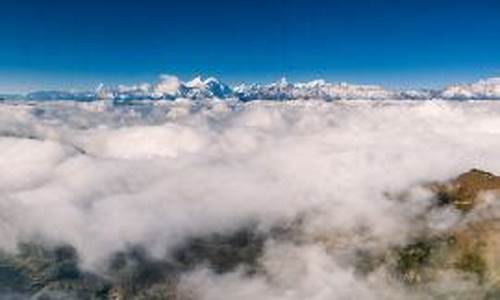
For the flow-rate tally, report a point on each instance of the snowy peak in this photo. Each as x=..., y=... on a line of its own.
x=483, y=89
x=215, y=88
x=171, y=87
x=316, y=89
x=196, y=82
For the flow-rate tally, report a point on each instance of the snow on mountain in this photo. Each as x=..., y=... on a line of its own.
x=218, y=89
x=171, y=88
x=317, y=89
x=196, y=83
x=483, y=89
x=422, y=94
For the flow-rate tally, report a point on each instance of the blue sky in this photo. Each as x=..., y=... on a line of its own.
x=77, y=44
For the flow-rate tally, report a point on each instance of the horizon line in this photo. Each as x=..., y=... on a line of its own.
x=78, y=88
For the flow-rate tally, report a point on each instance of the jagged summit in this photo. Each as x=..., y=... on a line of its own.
x=483, y=89
x=171, y=88
x=196, y=82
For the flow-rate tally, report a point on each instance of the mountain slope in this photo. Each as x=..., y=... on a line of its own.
x=171, y=88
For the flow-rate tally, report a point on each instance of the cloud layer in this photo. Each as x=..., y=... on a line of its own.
x=103, y=178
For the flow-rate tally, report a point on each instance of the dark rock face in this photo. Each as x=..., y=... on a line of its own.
x=223, y=253
x=463, y=191
x=48, y=272
x=53, y=273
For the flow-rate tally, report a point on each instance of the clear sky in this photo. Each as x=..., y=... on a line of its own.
x=64, y=44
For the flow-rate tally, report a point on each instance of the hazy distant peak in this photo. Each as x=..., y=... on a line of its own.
x=171, y=87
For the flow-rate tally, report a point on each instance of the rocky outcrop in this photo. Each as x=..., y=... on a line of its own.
x=466, y=190
x=468, y=250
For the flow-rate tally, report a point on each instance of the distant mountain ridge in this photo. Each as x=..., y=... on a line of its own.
x=171, y=88
x=483, y=89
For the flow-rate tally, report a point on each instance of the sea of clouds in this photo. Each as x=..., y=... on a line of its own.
x=103, y=178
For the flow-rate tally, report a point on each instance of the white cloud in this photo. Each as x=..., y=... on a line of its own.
x=102, y=178
x=167, y=85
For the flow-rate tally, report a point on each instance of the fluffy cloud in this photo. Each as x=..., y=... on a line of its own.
x=103, y=178
x=168, y=85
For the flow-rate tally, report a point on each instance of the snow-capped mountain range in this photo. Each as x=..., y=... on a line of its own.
x=171, y=88
x=168, y=87
x=317, y=89
x=483, y=89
